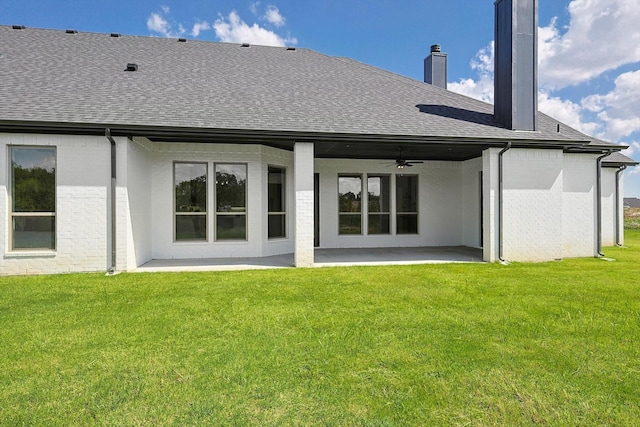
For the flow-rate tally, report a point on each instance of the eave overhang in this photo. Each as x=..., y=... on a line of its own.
x=327, y=144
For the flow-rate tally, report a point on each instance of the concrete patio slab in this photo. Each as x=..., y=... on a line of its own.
x=322, y=258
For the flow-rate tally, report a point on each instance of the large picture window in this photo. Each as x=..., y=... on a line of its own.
x=407, y=204
x=277, y=216
x=33, y=198
x=190, y=186
x=350, y=204
x=378, y=204
x=231, y=201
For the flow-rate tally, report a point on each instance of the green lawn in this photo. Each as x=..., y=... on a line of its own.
x=483, y=344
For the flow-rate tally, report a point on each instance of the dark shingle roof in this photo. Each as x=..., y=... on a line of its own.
x=618, y=159
x=632, y=202
x=49, y=76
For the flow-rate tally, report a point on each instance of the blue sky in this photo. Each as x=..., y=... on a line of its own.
x=589, y=51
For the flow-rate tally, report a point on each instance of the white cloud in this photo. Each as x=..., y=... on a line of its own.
x=602, y=35
x=253, y=7
x=619, y=108
x=481, y=89
x=157, y=23
x=273, y=16
x=233, y=29
x=568, y=112
x=198, y=27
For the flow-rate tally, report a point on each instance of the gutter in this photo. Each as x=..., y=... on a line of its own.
x=599, y=202
x=617, y=201
x=107, y=134
x=501, y=202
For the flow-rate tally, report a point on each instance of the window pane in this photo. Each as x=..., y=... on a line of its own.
x=231, y=227
x=379, y=224
x=191, y=227
x=231, y=187
x=407, y=224
x=190, y=187
x=277, y=225
x=378, y=193
x=34, y=232
x=33, y=179
x=349, y=193
x=350, y=224
x=407, y=193
x=276, y=195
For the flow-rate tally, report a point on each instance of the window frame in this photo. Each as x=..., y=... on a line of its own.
x=380, y=213
x=187, y=214
x=218, y=213
x=415, y=213
x=346, y=214
x=283, y=202
x=32, y=214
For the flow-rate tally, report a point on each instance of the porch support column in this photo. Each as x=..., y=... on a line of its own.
x=490, y=208
x=304, y=222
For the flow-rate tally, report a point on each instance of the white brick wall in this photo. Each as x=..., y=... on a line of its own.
x=257, y=158
x=83, y=176
x=304, y=205
x=547, y=194
x=578, y=205
x=472, y=205
x=137, y=184
x=532, y=204
x=608, y=206
x=440, y=199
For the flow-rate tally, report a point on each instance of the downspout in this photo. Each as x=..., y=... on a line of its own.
x=599, y=202
x=107, y=133
x=617, y=201
x=500, y=201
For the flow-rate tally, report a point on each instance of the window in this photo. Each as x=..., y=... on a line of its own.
x=231, y=201
x=378, y=204
x=33, y=198
x=407, y=204
x=350, y=204
x=190, y=184
x=277, y=223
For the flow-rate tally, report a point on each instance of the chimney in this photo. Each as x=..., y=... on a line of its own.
x=516, y=64
x=435, y=67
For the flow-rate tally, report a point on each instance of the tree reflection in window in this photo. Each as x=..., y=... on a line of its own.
x=190, y=181
x=231, y=201
x=33, y=198
x=350, y=204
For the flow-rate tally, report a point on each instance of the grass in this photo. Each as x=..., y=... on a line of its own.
x=477, y=344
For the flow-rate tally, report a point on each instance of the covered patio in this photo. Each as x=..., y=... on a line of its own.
x=323, y=258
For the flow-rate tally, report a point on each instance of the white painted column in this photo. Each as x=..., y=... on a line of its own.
x=303, y=186
x=490, y=197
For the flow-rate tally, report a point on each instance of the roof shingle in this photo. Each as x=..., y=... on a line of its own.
x=53, y=77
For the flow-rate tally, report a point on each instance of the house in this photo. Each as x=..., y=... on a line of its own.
x=115, y=150
x=631, y=202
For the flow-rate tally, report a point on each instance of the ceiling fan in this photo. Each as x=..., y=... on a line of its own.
x=402, y=163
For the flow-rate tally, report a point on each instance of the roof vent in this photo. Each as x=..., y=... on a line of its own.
x=182, y=40
x=435, y=48
x=245, y=45
x=115, y=34
x=132, y=67
x=18, y=27
x=71, y=31
x=291, y=48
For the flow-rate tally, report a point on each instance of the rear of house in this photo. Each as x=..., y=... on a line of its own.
x=116, y=150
